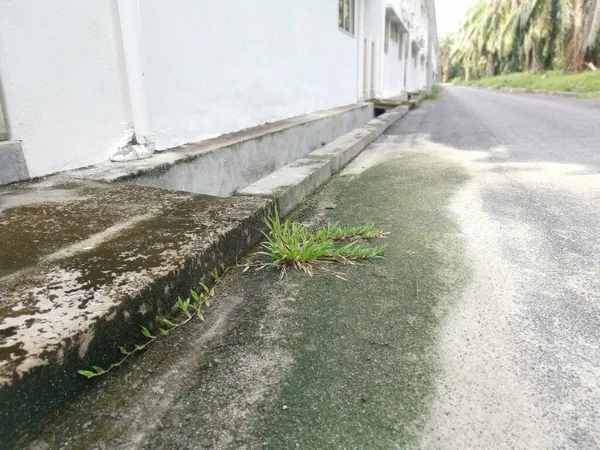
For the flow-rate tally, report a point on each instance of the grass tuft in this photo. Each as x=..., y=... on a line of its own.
x=290, y=244
x=434, y=93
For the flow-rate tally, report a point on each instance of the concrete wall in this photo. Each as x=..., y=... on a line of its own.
x=420, y=28
x=220, y=66
x=2, y=123
x=212, y=67
x=393, y=68
x=231, y=167
x=61, y=81
x=373, y=32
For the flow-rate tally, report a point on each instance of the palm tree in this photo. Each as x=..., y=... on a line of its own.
x=446, y=45
x=528, y=35
x=582, y=18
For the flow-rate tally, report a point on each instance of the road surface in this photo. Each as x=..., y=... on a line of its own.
x=479, y=330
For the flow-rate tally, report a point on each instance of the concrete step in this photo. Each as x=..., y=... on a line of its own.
x=84, y=264
x=293, y=182
x=223, y=165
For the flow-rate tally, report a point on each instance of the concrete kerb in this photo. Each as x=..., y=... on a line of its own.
x=292, y=183
x=225, y=164
x=532, y=91
x=105, y=259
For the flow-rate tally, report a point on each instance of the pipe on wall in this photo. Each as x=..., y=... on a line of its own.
x=133, y=50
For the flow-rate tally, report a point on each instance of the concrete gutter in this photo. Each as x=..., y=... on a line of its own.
x=290, y=184
x=85, y=263
x=225, y=164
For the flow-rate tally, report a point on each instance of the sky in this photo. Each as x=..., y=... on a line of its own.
x=450, y=14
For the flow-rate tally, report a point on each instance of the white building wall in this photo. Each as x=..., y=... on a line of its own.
x=393, y=69
x=420, y=27
x=212, y=67
x=397, y=73
x=61, y=81
x=394, y=60
x=220, y=66
x=374, y=32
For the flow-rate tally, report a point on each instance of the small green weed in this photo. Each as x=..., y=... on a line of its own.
x=434, y=93
x=290, y=244
x=191, y=307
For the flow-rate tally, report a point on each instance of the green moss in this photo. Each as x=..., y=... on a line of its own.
x=365, y=358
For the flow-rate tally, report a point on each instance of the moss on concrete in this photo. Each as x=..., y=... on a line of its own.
x=364, y=361
x=88, y=264
x=353, y=361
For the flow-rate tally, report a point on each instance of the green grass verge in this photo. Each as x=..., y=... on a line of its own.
x=587, y=83
x=434, y=94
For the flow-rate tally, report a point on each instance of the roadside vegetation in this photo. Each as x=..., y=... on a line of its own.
x=288, y=245
x=191, y=307
x=291, y=244
x=587, y=84
x=434, y=93
x=542, y=42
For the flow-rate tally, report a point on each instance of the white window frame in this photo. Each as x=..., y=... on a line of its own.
x=349, y=7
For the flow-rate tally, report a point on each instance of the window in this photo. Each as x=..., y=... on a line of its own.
x=346, y=15
x=386, y=37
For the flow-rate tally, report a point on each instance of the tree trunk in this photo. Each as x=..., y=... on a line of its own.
x=445, y=72
x=575, y=45
x=554, y=31
x=537, y=64
x=574, y=53
x=491, y=64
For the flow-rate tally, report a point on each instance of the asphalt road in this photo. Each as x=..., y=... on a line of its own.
x=519, y=352
x=479, y=330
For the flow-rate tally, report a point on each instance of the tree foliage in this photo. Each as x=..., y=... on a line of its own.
x=501, y=36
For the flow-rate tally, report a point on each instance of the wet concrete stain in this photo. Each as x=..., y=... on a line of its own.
x=68, y=294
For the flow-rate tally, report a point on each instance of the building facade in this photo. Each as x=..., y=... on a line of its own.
x=397, y=47
x=84, y=82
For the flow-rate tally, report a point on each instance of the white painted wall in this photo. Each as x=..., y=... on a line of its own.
x=220, y=66
x=390, y=69
x=60, y=74
x=374, y=31
x=212, y=67
x=393, y=69
x=2, y=124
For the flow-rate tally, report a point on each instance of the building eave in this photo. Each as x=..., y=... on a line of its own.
x=397, y=17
